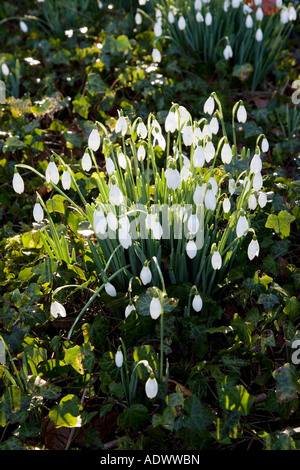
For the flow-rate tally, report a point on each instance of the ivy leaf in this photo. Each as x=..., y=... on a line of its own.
x=280, y=223
x=133, y=416
x=66, y=413
x=287, y=382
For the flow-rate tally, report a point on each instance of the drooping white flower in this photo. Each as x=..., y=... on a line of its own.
x=23, y=27
x=121, y=126
x=249, y=22
x=171, y=122
x=209, y=105
x=259, y=35
x=66, y=180
x=38, y=212
x=156, y=55
x=86, y=162
x=155, y=308
x=122, y=160
x=141, y=130
x=216, y=260
x=115, y=195
x=173, y=178
x=241, y=114
x=264, y=145
x=198, y=157
x=124, y=222
x=158, y=28
x=228, y=52
x=138, y=18
x=125, y=238
x=57, y=309
x=199, y=193
x=226, y=153
x=214, y=125
x=262, y=199
x=226, y=205
x=18, y=183
x=256, y=164
x=157, y=230
x=199, y=17
x=252, y=202
x=184, y=116
x=130, y=308
x=119, y=358
x=226, y=5
x=206, y=131
x=259, y=14
x=242, y=226
x=284, y=15
x=198, y=4
x=278, y=3
x=5, y=69
x=193, y=224
x=141, y=153
x=146, y=275
x=257, y=181
x=94, y=140
x=188, y=135
x=231, y=186
x=52, y=173
x=235, y=3
x=171, y=17
x=214, y=185
x=151, y=388
x=191, y=249
x=112, y=221
x=209, y=151
x=110, y=166
x=99, y=222
x=253, y=249
x=197, y=303
x=208, y=18
x=210, y=200
x=292, y=13
x=185, y=173
x=181, y=23
x=110, y=289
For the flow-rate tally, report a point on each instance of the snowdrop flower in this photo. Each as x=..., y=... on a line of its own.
x=252, y=202
x=259, y=14
x=199, y=17
x=38, y=212
x=86, y=162
x=110, y=289
x=115, y=195
x=171, y=17
x=122, y=160
x=228, y=53
x=257, y=2
x=157, y=230
x=130, y=308
x=184, y=116
x=226, y=5
x=214, y=125
x=256, y=164
x=249, y=22
x=110, y=166
x=124, y=223
x=242, y=226
x=156, y=55
x=158, y=28
x=214, y=185
x=5, y=69
x=94, y=140
x=292, y=13
x=125, y=238
x=259, y=35
x=226, y=205
x=191, y=249
x=264, y=145
x=23, y=27
x=226, y=153
x=241, y=114
x=197, y=303
x=99, y=222
x=216, y=260
x=181, y=23
x=235, y=3
x=138, y=18
x=171, y=122
x=262, y=199
x=257, y=181
x=209, y=151
x=284, y=15
x=155, y=308
x=18, y=183
x=193, y=224
x=198, y=4
x=207, y=131
x=66, y=180
x=231, y=186
x=278, y=3
x=151, y=388
x=112, y=221
x=185, y=173
x=119, y=358
x=208, y=19
x=141, y=130
x=57, y=309
x=199, y=194
x=145, y=275
x=173, y=178
x=188, y=135
x=52, y=173
x=210, y=200
x=161, y=141
x=121, y=126
x=246, y=9
x=141, y=153
x=198, y=157
x=209, y=105
x=253, y=249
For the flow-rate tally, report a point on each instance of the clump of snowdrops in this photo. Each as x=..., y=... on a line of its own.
x=172, y=206
x=235, y=30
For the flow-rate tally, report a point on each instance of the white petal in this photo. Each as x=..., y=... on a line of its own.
x=94, y=140
x=66, y=180
x=253, y=249
x=197, y=303
x=242, y=226
x=155, y=308
x=151, y=388
x=119, y=358
x=216, y=260
x=86, y=162
x=193, y=224
x=110, y=289
x=18, y=183
x=191, y=249
x=210, y=200
x=145, y=275
x=209, y=105
x=226, y=205
x=38, y=212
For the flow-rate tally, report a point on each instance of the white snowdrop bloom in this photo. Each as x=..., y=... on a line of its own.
x=252, y=202
x=86, y=162
x=199, y=17
x=292, y=13
x=171, y=122
x=99, y=222
x=121, y=126
x=173, y=178
x=253, y=249
x=124, y=222
x=110, y=289
x=231, y=186
x=184, y=116
x=115, y=195
x=210, y=200
x=122, y=160
x=155, y=308
x=242, y=226
x=226, y=205
x=257, y=181
x=110, y=166
x=259, y=14
x=241, y=114
x=198, y=157
x=119, y=358
x=226, y=5
x=156, y=55
x=141, y=130
x=141, y=153
x=157, y=230
x=23, y=27
x=130, y=308
x=256, y=164
x=197, y=303
x=57, y=309
x=94, y=140
x=284, y=15
x=199, y=194
x=156, y=129
x=259, y=35
x=191, y=249
x=188, y=135
x=216, y=260
x=52, y=173
x=226, y=153
x=66, y=180
x=185, y=173
x=214, y=125
x=149, y=221
x=262, y=199
x=146, y=275
x=198, y=4
x=193, y=224
x=209, y=151
x=171, y=17
x=161, y=141
x=214, y=185
x=151, y=388
x=207, y=132
x=209, y=105
x=228, y=53
x=38, y=212
x=247, y=9
x=112, y=221
x=257, y=2
x=235, y=3
x=138, y=18
x=278, y=3
x=125, y=238
x=264, y=145
x=249, y=22
x=208, y=18
x=142, y=2
x=181, y=23
x=5, y=69
x=158, y=28
x=18, y=183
